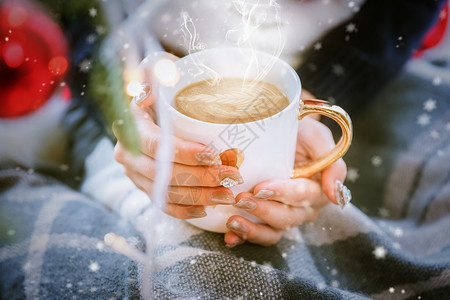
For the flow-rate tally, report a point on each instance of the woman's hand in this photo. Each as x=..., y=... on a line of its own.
x=196, y=175
x=285, y=203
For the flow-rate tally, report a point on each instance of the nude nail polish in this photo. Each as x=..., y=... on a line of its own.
x=196, y=212
x=210, y=159
x=246, y=204
x=343, y=194
x=237, y=227
x=222, y=198
x=263, y=194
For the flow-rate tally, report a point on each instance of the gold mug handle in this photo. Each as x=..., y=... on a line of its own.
x=315, y=106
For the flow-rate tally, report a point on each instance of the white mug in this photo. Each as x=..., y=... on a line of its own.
x=268, y=145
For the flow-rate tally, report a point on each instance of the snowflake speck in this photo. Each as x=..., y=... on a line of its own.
x=320, y=286
x=383, y=212
x=338, y=70
x=85, y=66
x=398, y=232
x=335, y=283
x=317, y=46
x=429, y=105
x=376, y=161
x=434, y=134
x=391, y=290
x=352, y=174
x=379, y=252
x=93, y=12
x=437, y=81
x=423, y=120
x=94, y=267
x=351, y=27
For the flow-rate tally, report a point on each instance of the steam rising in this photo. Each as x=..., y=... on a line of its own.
x=254, y=15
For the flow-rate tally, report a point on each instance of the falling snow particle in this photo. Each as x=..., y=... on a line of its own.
x=402, y=291
x=11, y=232
x=335, y=283
x=383, y=212
x=376, y=161
x=437, y=81
x=93, y=12
x=64, y=167
x=391, y=290
x=94, y=267
x=338, y=70
x=351, y=27
x=100, y=246
x=423, y=120
x=434, y=134
x=85, y=65
x=320, y=286
x=379, y=252
x=352, y=174
x=317, y=46
x=90, y=39
x=429, y=105
x=398, y=232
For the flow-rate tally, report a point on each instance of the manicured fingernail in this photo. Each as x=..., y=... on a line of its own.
x=196, y=212
x=238, y=242
x=237, y=227
x=245, y=204
x=209, y=159
x=230, y=179
x=343, y=194
x=222, y=198
x=146, y=90
x=263, y=194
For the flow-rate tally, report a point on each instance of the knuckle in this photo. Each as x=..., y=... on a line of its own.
x=151, y=143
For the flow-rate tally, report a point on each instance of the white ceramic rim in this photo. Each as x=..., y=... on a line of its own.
x=294, y=101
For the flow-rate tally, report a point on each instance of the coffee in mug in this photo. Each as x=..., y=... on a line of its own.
x=230, y=99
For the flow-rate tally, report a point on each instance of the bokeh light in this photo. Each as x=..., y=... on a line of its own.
x=166, y=71
x=134, y=88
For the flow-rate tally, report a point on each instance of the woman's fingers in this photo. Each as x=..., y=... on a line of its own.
x=183, y=195
x=279, y=215
x=255, y=233
x=185, y=152
x=315, y=141
x=183, y=175
x=298, y=192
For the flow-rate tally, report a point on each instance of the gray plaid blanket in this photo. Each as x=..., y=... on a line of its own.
x=392, y=243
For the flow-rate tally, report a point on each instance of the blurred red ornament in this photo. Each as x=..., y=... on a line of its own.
x=33, y=57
